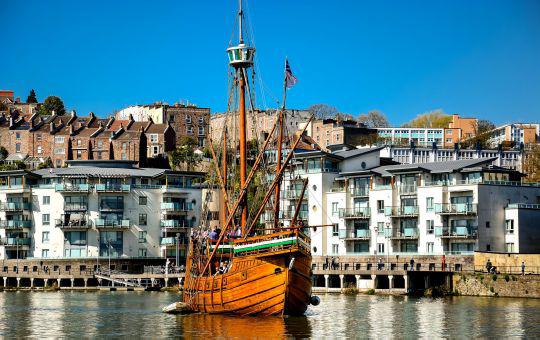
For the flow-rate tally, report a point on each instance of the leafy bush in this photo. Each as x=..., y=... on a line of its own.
x=370, y=292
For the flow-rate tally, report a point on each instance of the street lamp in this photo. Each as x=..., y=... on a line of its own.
x=17, y=244
x=387, y=236
x=177, y=250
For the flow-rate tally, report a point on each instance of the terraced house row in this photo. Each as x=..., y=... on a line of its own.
x=359, y=203
x=96, y=209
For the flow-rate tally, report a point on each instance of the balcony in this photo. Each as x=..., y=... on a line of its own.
x=15, y=224
x=358, y=212
x=170, y=241
x=113, y=188
x=456, y=209
x=75, y=224
x=175, y=224
x=405, y=211
x=456, y=232
x=72, y=188
x=111, y=207
x=405, y=234
x=173, y=207
x=289, y=214
x=14, y=206
x=15, y=188
x=15, y=241
x=408, y=189
x=70, y=207
x=294, y=195
x=360, y=192
x=112, y=224
x=382, y=187
x=355, y=234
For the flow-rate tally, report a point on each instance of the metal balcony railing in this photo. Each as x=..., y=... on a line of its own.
x=294, y=194
x=358, y=212
x=405, y=233
x=456, y=209
x=166, y=241
x=72, y=187
x=14, y=206
x=116, y=224
x=75, y=206
x=74, y=224
x=15, y=241
x=404, y=211
x=354, y=234
x=171, y=224
x=15, y=224
x=289, y=214
x=456, y=232
x=113, y=187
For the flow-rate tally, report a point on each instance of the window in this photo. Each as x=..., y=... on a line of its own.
x=59, y=151
x=143, y=200
x=189, y=130
x=123, y=156
x=99, y=144
x=201, y=131
x=430, y=226
x=58, y=163
x=153, y=138
x=171, y=118
x=18, y=147
x=380, y=248
x=188, y=119
x=99, y=155
x=45, y=236
x=39, y=149
x=38, y=137
x=380, y=206
x=46, y=200
x=59, y=140
x=79, y=154
x=79, y=142
x=142, y=236
x=142, y=251
x=17, y=136
x=124, y=146
x=509, y=226
x=487, y=224
x=44, y=252
x=510, y=247
x=334, y=207
x=448, y=132
x=488, y=247
x=335, y=230
x=46, y=219
x=429, y=203
x=335, y=249
x=201, y=120
x=155, y=150
x=380, y=228
x=143, y=219
x=429, y=247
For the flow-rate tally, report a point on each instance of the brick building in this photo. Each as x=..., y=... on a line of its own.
x=70, y=137
x=185, y=120
x=327, y=132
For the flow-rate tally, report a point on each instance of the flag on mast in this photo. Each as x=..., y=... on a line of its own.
x=290, y=79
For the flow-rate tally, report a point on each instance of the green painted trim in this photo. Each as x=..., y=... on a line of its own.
x=267, y=245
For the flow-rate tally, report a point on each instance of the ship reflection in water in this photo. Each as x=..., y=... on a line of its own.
x=77, y=314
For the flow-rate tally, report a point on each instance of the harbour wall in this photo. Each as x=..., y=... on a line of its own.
x=496, y=285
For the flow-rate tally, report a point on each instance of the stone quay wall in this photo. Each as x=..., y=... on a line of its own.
x=501, y=285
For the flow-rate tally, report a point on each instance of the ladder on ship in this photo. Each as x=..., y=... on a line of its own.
x=117, y=281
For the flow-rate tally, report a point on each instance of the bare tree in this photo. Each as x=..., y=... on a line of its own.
x=374, y=119
x=323, y=111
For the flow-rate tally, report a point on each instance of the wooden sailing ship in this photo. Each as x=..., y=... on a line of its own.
x=242, y=268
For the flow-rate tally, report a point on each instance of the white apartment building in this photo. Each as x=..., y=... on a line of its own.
x=356, y=206
x=419, y=136
x=97, y=208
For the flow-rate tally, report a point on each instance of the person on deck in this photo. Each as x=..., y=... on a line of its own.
x=213, y=235
x=238, y=232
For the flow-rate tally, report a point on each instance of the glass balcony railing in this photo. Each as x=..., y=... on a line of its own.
x=72, y=187
x=15, y=241
x=405, y=233
x=360, y=191
x=294, y=194
x=121, y=224
x=408, y=189
x=75, y=206
x=358, y=212
x=354, y=233
x=456, y=232
x=113, y=187
x=176, y=224
x=176, y=207
x=288, y=214
x=167, y=241
x=456, y=209
x=407, y=210
x=382, y=187
x=15, y=224
x=14, y=206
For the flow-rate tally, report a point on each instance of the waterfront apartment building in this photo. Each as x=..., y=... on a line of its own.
x=96, y=209
x=356, y=206
x=186, y=120
x=515, y=134
x=259, y=122
x=327, y=132
x=511, y=159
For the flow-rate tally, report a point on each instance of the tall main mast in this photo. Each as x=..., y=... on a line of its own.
x=241, y=58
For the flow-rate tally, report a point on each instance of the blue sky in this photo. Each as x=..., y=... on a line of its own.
x=477, y=57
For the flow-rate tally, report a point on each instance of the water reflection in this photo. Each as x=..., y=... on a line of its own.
x=115, y=314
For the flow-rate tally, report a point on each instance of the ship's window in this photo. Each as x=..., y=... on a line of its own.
x=244, y=275
x=314, y=208
x=314, y=249
x=314, y=187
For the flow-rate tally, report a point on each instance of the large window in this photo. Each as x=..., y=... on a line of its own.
x=111, y=243
x=143, y=219
x=429, y=204
x=142, y=236
x=75, y=238
x=46, y=219
x=509, y=226
x=112, y=202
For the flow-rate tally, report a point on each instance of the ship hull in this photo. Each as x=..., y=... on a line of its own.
x=271, y=284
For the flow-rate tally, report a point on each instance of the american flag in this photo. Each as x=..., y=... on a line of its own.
x=290, y=79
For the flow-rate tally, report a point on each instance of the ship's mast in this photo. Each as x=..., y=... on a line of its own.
x=241, y=58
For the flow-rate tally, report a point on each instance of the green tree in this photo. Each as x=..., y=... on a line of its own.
x=3, y=107
x=32, y=97
x=184, y=156
x=374, y=119
x=531, y=164
x=3, y=152
x=52, y=103
x=45, y=165
x=434, y=119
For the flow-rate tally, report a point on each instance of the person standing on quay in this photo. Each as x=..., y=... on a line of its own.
x=412, y=264
x=443, y=262
x=522, y=268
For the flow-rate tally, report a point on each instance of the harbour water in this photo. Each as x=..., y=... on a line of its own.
x=76, y=314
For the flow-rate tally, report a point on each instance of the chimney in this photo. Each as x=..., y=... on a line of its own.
x=52, y=127
x=71, y=130
x=11, y=121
